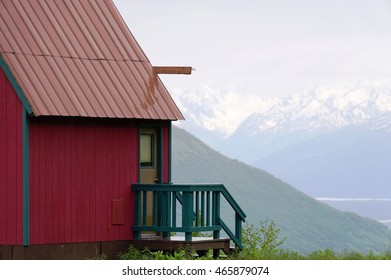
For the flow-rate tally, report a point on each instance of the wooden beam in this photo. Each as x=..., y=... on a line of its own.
x=184, y=70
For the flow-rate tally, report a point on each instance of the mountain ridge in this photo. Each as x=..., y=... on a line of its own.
x=308, y=224
x=343, y=130
x=317, y=107
x=323, y=108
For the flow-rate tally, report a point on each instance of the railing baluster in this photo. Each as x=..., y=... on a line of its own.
x=200, y=204
x=187, y=215
x=238, y=227
x=154, y=209
x=197, y=208
x=144, y=195
x=202, y=209
x=165, y=202
x=208, y=213
x=216, y=213
x=174, y=195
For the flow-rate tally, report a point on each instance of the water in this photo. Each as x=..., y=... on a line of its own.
x=378, y=209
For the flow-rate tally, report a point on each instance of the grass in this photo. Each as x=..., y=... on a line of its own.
x=262, y=243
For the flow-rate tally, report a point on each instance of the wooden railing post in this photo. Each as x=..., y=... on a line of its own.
x=187, y=213
x=216, y=212
x=163, y=212
x=238, y=227
x=200, y=210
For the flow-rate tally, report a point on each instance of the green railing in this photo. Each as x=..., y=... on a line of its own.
x=189, y=208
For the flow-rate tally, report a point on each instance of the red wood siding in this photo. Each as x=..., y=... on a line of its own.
x=11, y=111
x=77, y=168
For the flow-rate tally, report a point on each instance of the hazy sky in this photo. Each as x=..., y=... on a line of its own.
x=265, y=47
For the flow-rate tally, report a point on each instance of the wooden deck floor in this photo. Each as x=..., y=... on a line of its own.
x=173, y=243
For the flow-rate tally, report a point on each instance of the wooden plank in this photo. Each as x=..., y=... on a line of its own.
x=175, y=243
x=118, y=213
x=3, y=158
x=181, y=70
x=11, y=170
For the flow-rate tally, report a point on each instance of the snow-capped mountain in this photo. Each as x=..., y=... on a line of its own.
x=220, y=114
x=315, y=111
x=330, y=141
x=216, y=111
x=250, y=127
x=320, y=109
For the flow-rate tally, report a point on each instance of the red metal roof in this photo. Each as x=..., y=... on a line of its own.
x=78, y=58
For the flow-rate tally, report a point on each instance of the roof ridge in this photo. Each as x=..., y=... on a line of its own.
x=73, y=57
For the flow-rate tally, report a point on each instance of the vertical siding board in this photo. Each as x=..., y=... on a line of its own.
x=68, y=185
x=19, y=180
x=85, y=187
x=3, y=158
x=118, y=176
x=37, y=183
x=55, y=186
x=35, y=188
x=14, y=164
x=122, y=176
x=11, y=111
x=98, y=187
x=33, y=182
x=117, y=179
x=75, y=184
x=110, y=185
x=12, y=167
x=61, y=185
x=92, y=162
x=92, y=198
x=104, y=194
x=43, y=223
x=49, y=192
x=79, y=209
x=134, y=175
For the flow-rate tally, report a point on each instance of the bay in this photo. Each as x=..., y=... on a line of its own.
x=378, y=209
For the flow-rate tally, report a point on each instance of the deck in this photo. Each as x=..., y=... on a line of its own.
x=163, y=210
x=199, y=244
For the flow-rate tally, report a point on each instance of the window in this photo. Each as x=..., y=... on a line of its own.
x=146, y=149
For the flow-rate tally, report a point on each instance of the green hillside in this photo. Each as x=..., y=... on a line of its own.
x=308, y=224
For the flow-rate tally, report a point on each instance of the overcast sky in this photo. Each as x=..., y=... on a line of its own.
x=264, y=47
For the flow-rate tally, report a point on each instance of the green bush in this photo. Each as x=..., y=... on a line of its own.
x=182, y=254
x=262, y=242
x=258, y=243
x=326, y=254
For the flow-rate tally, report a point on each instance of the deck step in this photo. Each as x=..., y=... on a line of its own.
x=155, y=243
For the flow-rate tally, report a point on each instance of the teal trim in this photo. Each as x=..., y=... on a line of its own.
x=138, y=154
x=236, y=238
x=16, y=86
x=26, y=180
x=176, y=229
x=159, y=148
x=194, y=199
x=159, y=137
x=169, y=151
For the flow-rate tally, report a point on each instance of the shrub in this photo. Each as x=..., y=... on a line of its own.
x=145, y=254
x=262, y=243
x=326, y=254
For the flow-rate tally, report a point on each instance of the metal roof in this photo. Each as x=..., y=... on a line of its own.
x=78, y=58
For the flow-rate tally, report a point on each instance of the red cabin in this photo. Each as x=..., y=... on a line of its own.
x=83, y=117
